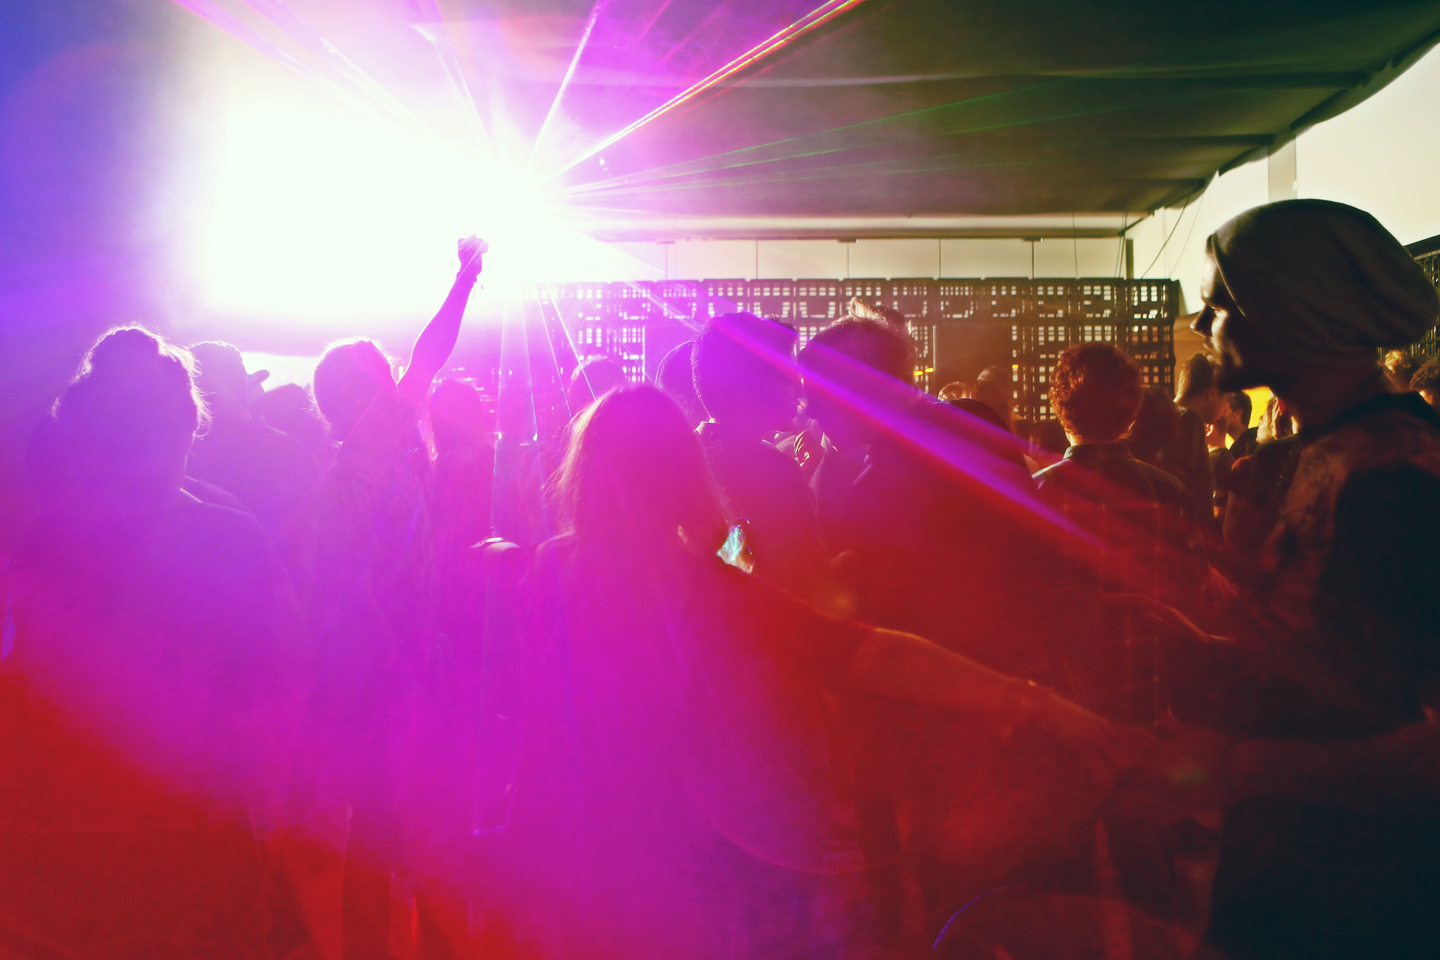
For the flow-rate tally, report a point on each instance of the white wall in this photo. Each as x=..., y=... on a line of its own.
x=793, y=259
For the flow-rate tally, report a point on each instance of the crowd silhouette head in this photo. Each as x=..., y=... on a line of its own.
x=127, y=420
x=634, y=480
x=349, y=376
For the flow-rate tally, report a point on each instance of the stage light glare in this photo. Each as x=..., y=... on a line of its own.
x=320, y=211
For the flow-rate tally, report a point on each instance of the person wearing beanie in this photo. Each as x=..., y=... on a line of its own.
x=1337, y=650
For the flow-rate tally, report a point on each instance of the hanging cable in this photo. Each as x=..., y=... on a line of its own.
x=1168, y=236
x=1120, y=242
x=1074, y=246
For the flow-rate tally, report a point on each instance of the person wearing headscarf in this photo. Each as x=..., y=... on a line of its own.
x=1324, y=282
x=1331, y=839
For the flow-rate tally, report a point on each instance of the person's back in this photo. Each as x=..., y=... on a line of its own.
x=373, y=596
x=267, y=470
x=931, y=524
x=148, y=630
x=1145, y=537
x=675, y=772
x=1340, y=628
x=677, y=794
x=1140, y=511
x=1186, y=457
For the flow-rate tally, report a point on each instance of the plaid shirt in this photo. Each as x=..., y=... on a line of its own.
x=1145, y=522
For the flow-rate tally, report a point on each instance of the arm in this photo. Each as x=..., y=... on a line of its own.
x=902, y=666
x=433, y=346
x=1400, y=764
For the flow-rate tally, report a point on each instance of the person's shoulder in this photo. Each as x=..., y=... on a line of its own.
x=387, y=423
x=1055, y=473
x=1160, y=480
x=218, y=516
x=557, y=549
x=778, y=460
x=1396, y=426
x=218, y=527
x=273, y=439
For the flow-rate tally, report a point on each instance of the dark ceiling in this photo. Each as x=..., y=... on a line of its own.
x=658, y=119
x=926, y=108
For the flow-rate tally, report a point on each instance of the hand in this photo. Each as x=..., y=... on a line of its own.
x=808, y=452
x=1137, y=603
x=472, y=251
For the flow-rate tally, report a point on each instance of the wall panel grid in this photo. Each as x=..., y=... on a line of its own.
x=1043, y=316
x=1428, y=346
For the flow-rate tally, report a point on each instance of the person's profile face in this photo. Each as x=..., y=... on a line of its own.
x=1240, y=350
x=778, y=395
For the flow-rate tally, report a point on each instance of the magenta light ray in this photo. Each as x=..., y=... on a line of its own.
x=440, y=39
x=211, y=12
x=364, y=99
x=938, y=446
x=816, y=18
x=299, y=29
x=958, y=456
x=595, y=13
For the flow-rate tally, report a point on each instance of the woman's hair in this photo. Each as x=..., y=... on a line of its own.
x=131, y=412
x=1275, y=423
x=635, y=479
x=1156, y=424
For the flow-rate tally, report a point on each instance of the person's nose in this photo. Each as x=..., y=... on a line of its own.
x=1203, y=321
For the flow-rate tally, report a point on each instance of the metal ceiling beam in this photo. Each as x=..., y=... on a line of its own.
x=1049, y=227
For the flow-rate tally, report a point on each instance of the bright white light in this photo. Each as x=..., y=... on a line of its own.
x=323, y=211
x=283, y=368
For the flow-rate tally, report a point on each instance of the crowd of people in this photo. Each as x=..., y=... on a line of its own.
x=776, y=657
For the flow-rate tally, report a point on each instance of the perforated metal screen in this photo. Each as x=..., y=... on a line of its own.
x=630, y=321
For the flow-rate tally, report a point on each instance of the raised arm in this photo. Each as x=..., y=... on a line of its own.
x=433, y=346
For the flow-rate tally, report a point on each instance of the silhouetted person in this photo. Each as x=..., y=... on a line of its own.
x=745, y=376
x=677, y=795
x=154, y=639
x=1342, y=632
x=676, y=377
x=374, y=597
x=1145, y=521
x=930, y=518
x=1257, y=486
x=1426, y=381
x=1401, y=367
x=1229, y=429
x=593, y=378
x=1187, y=456
x=1243, y=437
x=994, y=389
x=290, y=409
x=267, y=470
x=945, y=536
x=1156, y=425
